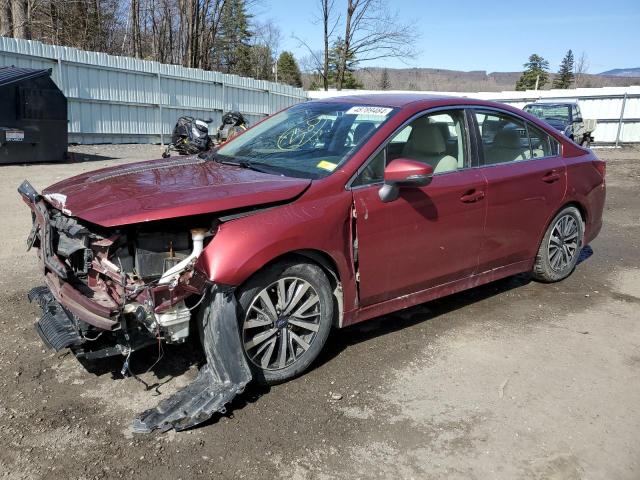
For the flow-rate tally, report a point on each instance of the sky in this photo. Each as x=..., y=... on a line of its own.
x=491, y=35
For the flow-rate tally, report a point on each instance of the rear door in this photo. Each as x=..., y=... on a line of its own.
x=430, y=235
x=526, y=184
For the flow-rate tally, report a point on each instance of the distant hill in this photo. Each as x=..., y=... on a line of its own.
x=622, y=72
x=435, y=79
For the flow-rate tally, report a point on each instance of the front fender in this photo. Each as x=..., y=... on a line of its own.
x=243, y=246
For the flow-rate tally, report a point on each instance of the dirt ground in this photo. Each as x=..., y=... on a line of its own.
x=515, y=379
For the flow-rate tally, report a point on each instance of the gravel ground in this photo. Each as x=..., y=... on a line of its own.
x=514, y=379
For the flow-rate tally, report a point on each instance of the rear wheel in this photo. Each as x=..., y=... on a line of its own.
x=586, y=142
x=560, y=247
x=285, y=317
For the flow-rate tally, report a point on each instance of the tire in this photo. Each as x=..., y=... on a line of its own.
x=586, y=142
x=305, y=290
x=560, y=247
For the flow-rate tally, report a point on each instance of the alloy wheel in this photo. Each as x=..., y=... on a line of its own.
x=563, y=243
x=281, y=323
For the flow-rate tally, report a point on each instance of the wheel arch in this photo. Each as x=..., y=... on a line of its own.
x=326, y=263
x=572, y=203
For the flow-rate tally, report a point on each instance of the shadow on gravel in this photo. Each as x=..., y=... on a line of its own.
x=393, y=322
x=175, y=360
x=74, y=157
x=424, y=312
x=178, y=359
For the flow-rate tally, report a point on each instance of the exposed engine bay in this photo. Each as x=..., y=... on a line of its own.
x=112, y=291
x=140, y=276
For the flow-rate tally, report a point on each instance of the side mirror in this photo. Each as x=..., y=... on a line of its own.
x=403, y=172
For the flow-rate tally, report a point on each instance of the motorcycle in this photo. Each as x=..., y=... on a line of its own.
x=233, y=123
x=190, y=136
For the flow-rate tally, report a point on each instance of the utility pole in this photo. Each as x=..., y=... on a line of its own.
x=537, y=80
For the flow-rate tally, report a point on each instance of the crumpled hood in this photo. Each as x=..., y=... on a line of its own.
x=168, y=188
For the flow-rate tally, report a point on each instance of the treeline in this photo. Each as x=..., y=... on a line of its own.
x=571, y=73
x=219, y=35
x=354, y=32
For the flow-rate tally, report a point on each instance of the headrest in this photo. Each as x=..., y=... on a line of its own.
x=426, y=138
x=362, y=130
x=508, y=137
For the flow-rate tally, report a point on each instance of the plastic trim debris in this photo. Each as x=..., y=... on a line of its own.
x=225, y=375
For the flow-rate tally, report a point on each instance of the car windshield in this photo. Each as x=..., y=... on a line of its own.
x=308, y=140
x=545, y=112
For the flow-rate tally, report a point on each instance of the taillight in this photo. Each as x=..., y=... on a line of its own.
x=601, y=167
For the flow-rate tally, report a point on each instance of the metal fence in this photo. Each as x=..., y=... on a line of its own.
x=617, y=109
x=126, y=100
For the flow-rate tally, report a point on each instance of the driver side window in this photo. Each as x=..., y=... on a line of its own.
x=437, y=139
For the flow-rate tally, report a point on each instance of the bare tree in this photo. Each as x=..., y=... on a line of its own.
x=20, y=18
x=320, y=59
x=265, y=48
x=6, y=29
x=136, y=37
x=580, y=69
x=373, y=32
x=311, y=67
x=327, y=7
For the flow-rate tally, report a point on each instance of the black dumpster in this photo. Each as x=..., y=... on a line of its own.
x=33, y=117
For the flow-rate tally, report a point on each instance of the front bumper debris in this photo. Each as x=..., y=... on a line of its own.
x=71, y=308
x=56, y=328
x=224, y=376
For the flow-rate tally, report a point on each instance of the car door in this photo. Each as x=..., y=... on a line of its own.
x=526, y=183
x=430, y=235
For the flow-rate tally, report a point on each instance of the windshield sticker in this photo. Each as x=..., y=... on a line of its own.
x=365, y=110
x=324, y=165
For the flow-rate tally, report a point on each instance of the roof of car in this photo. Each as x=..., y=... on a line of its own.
x=397, y=100
x=550, y=103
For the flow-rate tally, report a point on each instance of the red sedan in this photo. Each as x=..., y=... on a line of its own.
x=326, y=214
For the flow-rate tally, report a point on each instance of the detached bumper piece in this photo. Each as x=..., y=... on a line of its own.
x=223, y=377
x=56, y=329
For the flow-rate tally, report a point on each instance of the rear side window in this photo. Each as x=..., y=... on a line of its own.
x=504, y=138
x=508, y=139
x=542, y=144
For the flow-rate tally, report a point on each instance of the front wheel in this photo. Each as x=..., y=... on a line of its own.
x=586, y=142
x=286, y=313
x=560, y=247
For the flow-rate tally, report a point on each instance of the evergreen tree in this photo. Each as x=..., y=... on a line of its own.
x=342, y=78
x=536, y=69
x=288, y=70
x=231, y=51
x=564, y=79
x=385, y=83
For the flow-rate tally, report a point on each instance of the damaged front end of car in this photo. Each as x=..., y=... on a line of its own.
x=112, y=291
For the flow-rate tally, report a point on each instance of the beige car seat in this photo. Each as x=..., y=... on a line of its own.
x=507, y=147
x=426, y=144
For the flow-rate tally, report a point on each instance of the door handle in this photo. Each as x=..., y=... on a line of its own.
x=551, y=177
x=472, y=196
